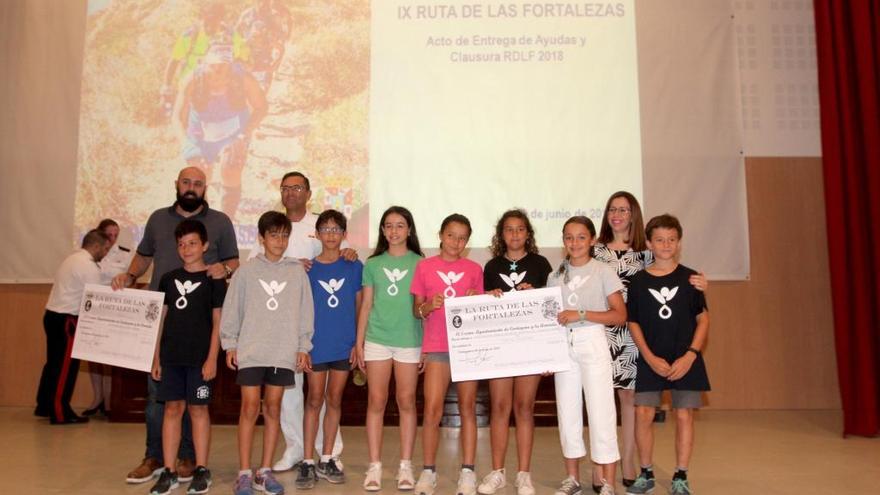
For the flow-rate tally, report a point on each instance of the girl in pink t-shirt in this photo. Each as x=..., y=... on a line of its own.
x=437, y=278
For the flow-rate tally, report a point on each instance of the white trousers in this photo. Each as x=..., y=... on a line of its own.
x=590, y=372
x=292, y=409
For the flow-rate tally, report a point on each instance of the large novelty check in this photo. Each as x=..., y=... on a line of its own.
x=118, y=327
x=515, y=334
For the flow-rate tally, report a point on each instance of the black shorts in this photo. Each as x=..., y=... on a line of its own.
x=265, y=375
x=184, y=383
x=341, y=365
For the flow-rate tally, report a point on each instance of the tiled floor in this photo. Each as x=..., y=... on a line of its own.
x=736, y=452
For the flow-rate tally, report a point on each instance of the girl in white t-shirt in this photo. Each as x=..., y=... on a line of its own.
x=591, y=298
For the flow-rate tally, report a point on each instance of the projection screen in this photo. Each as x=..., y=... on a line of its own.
x=467, y=107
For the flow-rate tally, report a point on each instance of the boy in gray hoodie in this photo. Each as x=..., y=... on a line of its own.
x=266, y=330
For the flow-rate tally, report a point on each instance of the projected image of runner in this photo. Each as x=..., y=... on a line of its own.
x=245, y=89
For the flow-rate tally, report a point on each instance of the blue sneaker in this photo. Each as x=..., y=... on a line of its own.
x=642, y=485
x=244, y=484
x=680, y=487
x=265, y=482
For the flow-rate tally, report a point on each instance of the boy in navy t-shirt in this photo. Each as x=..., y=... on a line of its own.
x=669, y=322
x=336, y=290
x=185, y=362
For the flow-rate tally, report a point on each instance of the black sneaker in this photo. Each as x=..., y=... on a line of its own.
x=201, y=482
x=330, y=472
x=306, y=478
x=167, y=482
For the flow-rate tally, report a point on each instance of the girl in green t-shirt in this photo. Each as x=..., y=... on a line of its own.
x=389, y=338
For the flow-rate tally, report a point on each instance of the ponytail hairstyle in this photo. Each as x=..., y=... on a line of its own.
x=498, y=246
x=412, y=240
x=563, y=269
x=455, y=218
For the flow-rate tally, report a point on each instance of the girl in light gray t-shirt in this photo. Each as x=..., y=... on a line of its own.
x=591, y=298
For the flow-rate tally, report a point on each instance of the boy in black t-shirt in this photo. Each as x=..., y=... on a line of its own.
x=669, y=322
x=185, y=361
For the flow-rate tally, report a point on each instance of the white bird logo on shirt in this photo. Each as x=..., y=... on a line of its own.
x=332, y=286
x=273, y=288
x=394, y=276
x=513, y=279
x=450, y=278
x=184, y=288
x=664, y=296
x=573, y=285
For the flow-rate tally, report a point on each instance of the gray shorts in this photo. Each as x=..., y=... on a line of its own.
x=437, y=357
x=681, y=399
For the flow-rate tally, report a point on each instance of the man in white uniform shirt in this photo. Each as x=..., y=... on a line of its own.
x=119, y=257
x=116, y=261
x=59, y=322
x=304, y=246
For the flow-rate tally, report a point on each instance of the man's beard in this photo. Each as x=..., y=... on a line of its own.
x=189, y=202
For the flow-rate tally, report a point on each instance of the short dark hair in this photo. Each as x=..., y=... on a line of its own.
x=664, y=221
x=107, y=222
x=298, y=174
x=94, y=237
x=273, y=221
x=191, y=226
x=337, y=217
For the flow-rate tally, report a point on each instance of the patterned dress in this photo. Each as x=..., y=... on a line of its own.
x=624, y=352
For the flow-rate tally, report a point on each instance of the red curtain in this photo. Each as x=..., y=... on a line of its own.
x=848, y=45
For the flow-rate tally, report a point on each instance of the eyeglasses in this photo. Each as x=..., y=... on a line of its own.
x=622, y=211
x=331, y=230
x=297, y=188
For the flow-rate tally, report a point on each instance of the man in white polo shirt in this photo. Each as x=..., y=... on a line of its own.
x=59, y=323
x=304, y=246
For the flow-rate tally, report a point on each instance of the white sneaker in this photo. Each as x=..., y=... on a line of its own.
x=287, y=461
x=427, y=482
x=523, y=483
x=405, y=478
x=467, y=483
x=606, y=489
x=492, y=482
x=373, y=481
x=569, y=486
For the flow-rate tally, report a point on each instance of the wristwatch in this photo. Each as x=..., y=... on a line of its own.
x=582, y=314
x=691, y=349
x=228, y=269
